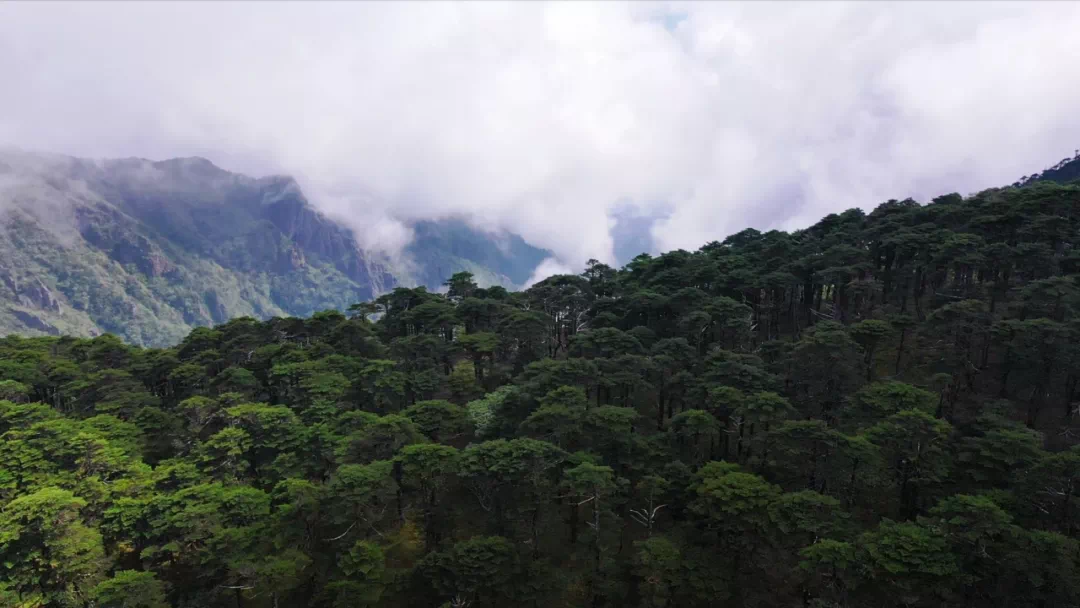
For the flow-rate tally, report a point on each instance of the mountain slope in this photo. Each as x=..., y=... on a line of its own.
x=440, y=249
x=148, y=250
x=1065, y=171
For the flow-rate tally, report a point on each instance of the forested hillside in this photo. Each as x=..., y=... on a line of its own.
x=879, y=410
x=149, y=250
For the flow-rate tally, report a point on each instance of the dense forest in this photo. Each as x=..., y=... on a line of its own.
x=880, y=410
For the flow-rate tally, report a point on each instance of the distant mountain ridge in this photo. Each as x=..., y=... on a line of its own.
x=148, y=250
x=448, y=246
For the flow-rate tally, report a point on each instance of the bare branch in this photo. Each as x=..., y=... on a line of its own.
x=373, y=528
x=339, y=536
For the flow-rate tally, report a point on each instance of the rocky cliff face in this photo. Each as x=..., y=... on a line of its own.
x=37, y=295
x=311, y=232
x=32, y=294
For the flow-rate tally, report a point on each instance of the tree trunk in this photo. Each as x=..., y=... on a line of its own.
x=900, y=351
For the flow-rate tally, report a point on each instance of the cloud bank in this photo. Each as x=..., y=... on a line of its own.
x=548, y=120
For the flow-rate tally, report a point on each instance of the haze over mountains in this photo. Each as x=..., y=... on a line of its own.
x=642, y=304
x=147, y=250
x=539, y=117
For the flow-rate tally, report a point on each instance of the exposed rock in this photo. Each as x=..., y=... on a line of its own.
x=34, y=322
x=313, y=233
x=289, y=257
x=100, y=227
x=159, y=265
x=296, y=258
x=10, y=281
x=218, y=312
x=37, y=295
x=139, y=252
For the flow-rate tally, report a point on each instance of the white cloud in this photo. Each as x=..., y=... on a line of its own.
x=543, y=118
x=547, y=268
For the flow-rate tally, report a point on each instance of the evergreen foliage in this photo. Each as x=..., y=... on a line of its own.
x=879, y=410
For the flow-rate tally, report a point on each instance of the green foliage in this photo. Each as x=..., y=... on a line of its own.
x=438, y=419
x=481, y=570
x=46, y=548
x=657, y=564
x=198, y=247
x=11, y=390
x=365, y=568
x=908, y=558
x=729, y=498
x=879, y=410
x=882, y=399
x=482, y=412
x=380, y=439
x=131, y=589
x=559, y=417
x=914, y=445
x=463, y=383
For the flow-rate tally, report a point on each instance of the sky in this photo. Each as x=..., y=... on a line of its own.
x=566, y=123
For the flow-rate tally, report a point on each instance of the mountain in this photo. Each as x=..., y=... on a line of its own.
x=880, y=409
x=1065, y=171
x=439, y=249
x=148, y=250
